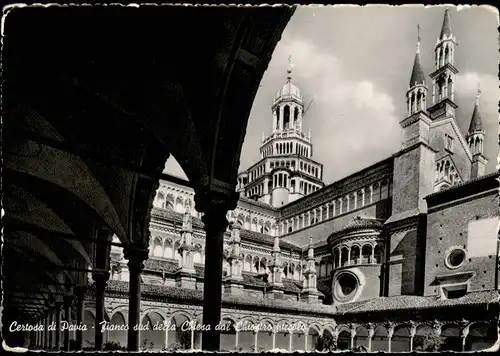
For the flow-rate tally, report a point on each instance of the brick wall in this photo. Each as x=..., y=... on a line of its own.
x=470, y=223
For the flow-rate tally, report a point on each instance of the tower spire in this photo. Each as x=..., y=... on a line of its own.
x=417, y=74
x=416, y=96
x=444, y=75
x=475, y=139
x=476, y=123
x=289, y=70
x=446, y=28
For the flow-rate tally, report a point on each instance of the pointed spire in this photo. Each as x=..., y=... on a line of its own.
x=446, y=29
x=476, y=123
x=417, y=74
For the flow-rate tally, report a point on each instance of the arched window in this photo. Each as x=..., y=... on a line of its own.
x=169, y=202
x=296, y=115
x=160, y=201
x=157, y=248
x=286, y=117
x=197, y=255
x=277, y=118
x=179, y=205
x=169, y=251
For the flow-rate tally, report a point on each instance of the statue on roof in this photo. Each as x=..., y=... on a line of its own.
x=187, y=221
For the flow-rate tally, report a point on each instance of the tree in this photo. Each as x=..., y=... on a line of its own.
x=326, y=343
x=113, y=345
x=429, y=342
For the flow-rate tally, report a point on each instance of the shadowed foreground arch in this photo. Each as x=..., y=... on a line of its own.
x=89, y=124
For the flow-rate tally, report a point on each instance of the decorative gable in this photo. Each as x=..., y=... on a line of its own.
x=446, y=174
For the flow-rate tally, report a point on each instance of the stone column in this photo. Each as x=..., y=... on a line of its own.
x=236, y=339
x=327, y=207
x=390, y=333
x=45, y=340
x=165, y=345
x=67, y=318
x=136, y=254
x=274, y=340
x=464, y=334
x=371, y=194
x=413, y=331
x=372, y=257
x=100, y=282
x=214, y=205
x=51, y=332
x=192, y=339
x=305, y=341
x=363, y=203
x=58, y=326
x=353, y=335
x=256, y=341
x=290, y=342
x=371, y=332
x=80, y=305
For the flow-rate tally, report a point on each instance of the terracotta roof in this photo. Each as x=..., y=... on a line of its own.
x=266, y=239
x=358, y=223
x=153, y=264
x=456, y=186
x=446, y=29
x=417, y=74
x=251, y=280
x=175, y=216
x=291, y=285
x=185, y=294
x=409, y=302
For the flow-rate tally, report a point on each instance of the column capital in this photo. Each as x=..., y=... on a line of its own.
x=464, y=332
x=413, y=328
x=207, y=201
x=100, y=277
x=371, y=329
x=136, y=254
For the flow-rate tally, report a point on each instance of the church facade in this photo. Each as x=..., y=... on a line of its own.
x=402, y=255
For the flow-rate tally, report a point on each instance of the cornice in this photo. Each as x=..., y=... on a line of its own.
x=404, y=224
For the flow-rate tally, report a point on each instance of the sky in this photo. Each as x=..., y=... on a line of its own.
x=356, y=62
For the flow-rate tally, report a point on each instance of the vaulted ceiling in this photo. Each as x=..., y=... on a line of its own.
x=95, y=100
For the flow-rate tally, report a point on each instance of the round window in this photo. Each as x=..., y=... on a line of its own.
x=345, y=286
x=455, y=258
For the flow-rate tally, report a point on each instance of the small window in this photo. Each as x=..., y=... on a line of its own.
x=455, y=258
x=454, y=292
x=448, y=142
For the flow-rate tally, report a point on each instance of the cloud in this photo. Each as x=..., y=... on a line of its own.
x=353, y=123
x=466, y=87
